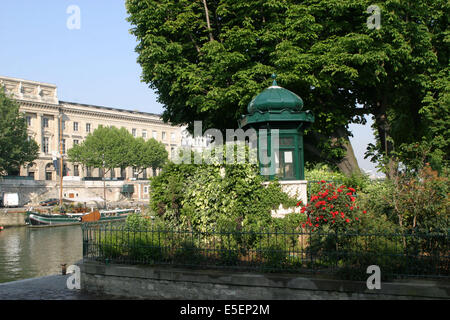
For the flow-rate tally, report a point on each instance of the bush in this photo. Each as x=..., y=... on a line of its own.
x=333, y=208
x=216, y=197
x=274, y=256
x=188, y=253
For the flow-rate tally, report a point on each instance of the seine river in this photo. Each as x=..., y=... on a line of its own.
x=35, y=252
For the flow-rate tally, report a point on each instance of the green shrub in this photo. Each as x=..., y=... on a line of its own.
x=274, y=256
x=145, y=251
x=216, y=197
x=188, y=253
x=111, y=246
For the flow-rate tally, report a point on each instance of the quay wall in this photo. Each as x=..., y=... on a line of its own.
x=12, y=218
x=151, y=282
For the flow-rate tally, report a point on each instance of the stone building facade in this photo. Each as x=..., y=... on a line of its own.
x=44, y=112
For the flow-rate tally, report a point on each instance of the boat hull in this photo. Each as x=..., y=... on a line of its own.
x=39, y=219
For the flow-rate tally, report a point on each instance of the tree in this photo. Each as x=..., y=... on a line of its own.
x=106, y=148
x=148, y=154
x=208, y=59
x=15, y=147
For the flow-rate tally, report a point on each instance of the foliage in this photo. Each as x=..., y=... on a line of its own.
x=322, y=171
x=210, y=69
x=421, y=202
x=15, y=147
x=207, y=197
x=106, y=148
x=147, y=154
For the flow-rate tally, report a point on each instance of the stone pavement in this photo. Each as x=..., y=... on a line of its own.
x=45, y=288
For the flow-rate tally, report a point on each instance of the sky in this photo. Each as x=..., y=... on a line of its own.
x=95, y=63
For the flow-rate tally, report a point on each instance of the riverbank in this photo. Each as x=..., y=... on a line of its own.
x=12, y=217
x=45, y=288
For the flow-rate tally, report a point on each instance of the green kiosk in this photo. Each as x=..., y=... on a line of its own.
x=279, y=111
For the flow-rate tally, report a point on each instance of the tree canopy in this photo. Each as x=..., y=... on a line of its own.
x=106, y=148
x=110, y=147
x=147, y=154
x=208, y=59
x=15, y=147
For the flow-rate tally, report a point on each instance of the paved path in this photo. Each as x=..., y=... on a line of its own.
x=44, y=288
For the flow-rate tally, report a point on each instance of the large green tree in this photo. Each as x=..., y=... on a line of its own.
x=106, y=148
x=147, y=154
x=109, y=147
x=15, y=147
x=207, y=59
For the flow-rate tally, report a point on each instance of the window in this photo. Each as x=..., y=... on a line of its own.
x=45, y=145
x=63, y=125
x=75, y=126
x=31, y=175
x=88, y=172
x=48, y=175
x=172, y=137
x=155, y=135
x=75, y=142
x=163, y=135
x=145, y=189
x=45, y=122
x=144, y=134
x=65, y=171
x=63, y=141
x=133, y=132
x=76, y=171
x=28, y=118
x=88, y=127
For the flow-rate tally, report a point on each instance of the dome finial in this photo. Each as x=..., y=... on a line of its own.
x=274, y=77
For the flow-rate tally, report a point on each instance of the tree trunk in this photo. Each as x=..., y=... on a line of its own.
x=104, y=186
x=384, y=134
x=348, y=165
x=208, y=24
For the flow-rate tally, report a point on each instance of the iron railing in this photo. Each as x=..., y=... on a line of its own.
x=345, y=254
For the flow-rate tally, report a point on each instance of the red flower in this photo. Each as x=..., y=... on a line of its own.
x=352, y=190
x=347, y=220
x=339, y=190
x=322, y=181
x=299, y=203
x=349, y=194
x=364, y=211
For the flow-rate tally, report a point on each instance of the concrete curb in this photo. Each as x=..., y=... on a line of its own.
x=97, y=277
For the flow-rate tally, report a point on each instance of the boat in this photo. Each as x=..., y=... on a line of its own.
x=41, y=219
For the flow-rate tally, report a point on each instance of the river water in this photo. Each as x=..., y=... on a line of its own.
x=35, y=252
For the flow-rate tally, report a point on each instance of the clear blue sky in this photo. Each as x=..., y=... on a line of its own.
x=95, y=64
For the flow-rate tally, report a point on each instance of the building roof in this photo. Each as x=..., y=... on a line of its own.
x=110, y=108
x=275, y=98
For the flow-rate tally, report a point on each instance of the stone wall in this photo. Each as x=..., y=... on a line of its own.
x=31, y=192
x=12, y=218
x=146, y=282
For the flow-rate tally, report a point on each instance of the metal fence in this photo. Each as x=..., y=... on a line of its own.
x=345, y=254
